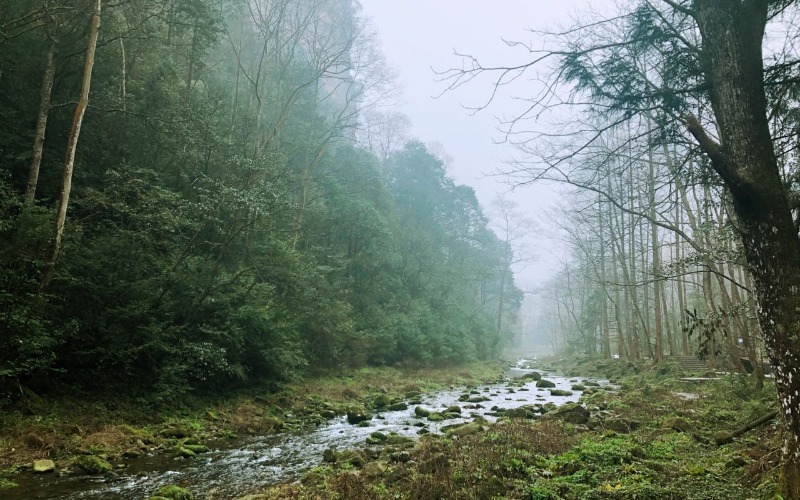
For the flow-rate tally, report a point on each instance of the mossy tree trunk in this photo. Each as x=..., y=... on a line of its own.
x=732, y=34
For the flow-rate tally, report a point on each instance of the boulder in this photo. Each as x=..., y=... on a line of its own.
x=453, y=409
x=532, y=376
x=197, y=448
x=620, y=425
x=373, y=469
x=92, y=464
x=678, y=424
x=381, y=401
x=545, y=384
x=377, y=438
x=173, y=492
x=400, y=456
x=43, y=466
x=356, y=417
x=421, y=412
x=573, y=414
x=176, y=431
x=182, y=452
x=398, y=406
x=329, y=455
x=560, y=392
x=463, y=429
x=518, y=413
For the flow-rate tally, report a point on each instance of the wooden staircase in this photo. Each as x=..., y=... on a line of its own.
x=692, y=363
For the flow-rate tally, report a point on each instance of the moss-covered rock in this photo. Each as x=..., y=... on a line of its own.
x=560, y=392
x=356, y=416
x=172, y=492
x=398, y=406
x=197, y=448
x=92, y=464
x=43, y=466
x=183, y=452
x=678, y=424
x=377, y=438
x=421, y=412
x=545, y=384
x=573, y=414
x=330, y=455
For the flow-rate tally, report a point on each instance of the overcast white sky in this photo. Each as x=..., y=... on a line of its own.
x=418, y=35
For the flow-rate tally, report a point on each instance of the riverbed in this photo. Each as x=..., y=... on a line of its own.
x=241, y=466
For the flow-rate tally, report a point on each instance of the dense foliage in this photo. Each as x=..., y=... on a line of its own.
x=224, y=226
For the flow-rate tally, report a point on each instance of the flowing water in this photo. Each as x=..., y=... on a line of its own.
x=238, y=467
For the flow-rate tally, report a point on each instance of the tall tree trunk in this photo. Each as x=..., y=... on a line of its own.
x=658, y=355
x=41, y=123
x=606, y=342
x=733, y=34
x=72, y=144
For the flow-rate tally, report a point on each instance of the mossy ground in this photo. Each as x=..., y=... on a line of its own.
x=550, y=459
x=66, y=428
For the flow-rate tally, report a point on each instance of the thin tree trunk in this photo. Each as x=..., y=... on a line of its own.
x=41, y=123
x=72, y=144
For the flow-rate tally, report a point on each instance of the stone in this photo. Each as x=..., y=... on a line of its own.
x=92, y=464
x=453, y=409
x=518, y=413
x=182, y=452
x=560, y=392
x=381, y=401
x=329, y=455
x=398, y=406
x=462, y=430
x=678, y=424
x=573, y=414
x=178, y=431
x=400, y=456
x=545, y=384
x=532, y=376
x=328, y=414
x=435, y=417
x=421, y=412
x=620, y=425
x=43, y=466
x=355, y=417
x=197, y=448
x=376, y=438
x=173, y=492
x=373, y=469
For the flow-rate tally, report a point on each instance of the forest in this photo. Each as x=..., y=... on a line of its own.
x=223, y=214
x=215, y=223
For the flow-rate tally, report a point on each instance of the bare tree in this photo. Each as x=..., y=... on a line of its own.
x=72, y=144
x=708, y=91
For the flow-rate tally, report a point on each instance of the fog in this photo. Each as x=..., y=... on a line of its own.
x=420, y=38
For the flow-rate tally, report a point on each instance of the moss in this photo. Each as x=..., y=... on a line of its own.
x=5, y=484
x=197, y=448
x=92, y=464
x=172, y=492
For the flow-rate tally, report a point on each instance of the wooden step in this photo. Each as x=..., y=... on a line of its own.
x=692, y=363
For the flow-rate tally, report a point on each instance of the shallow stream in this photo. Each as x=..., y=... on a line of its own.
x=241, y=466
